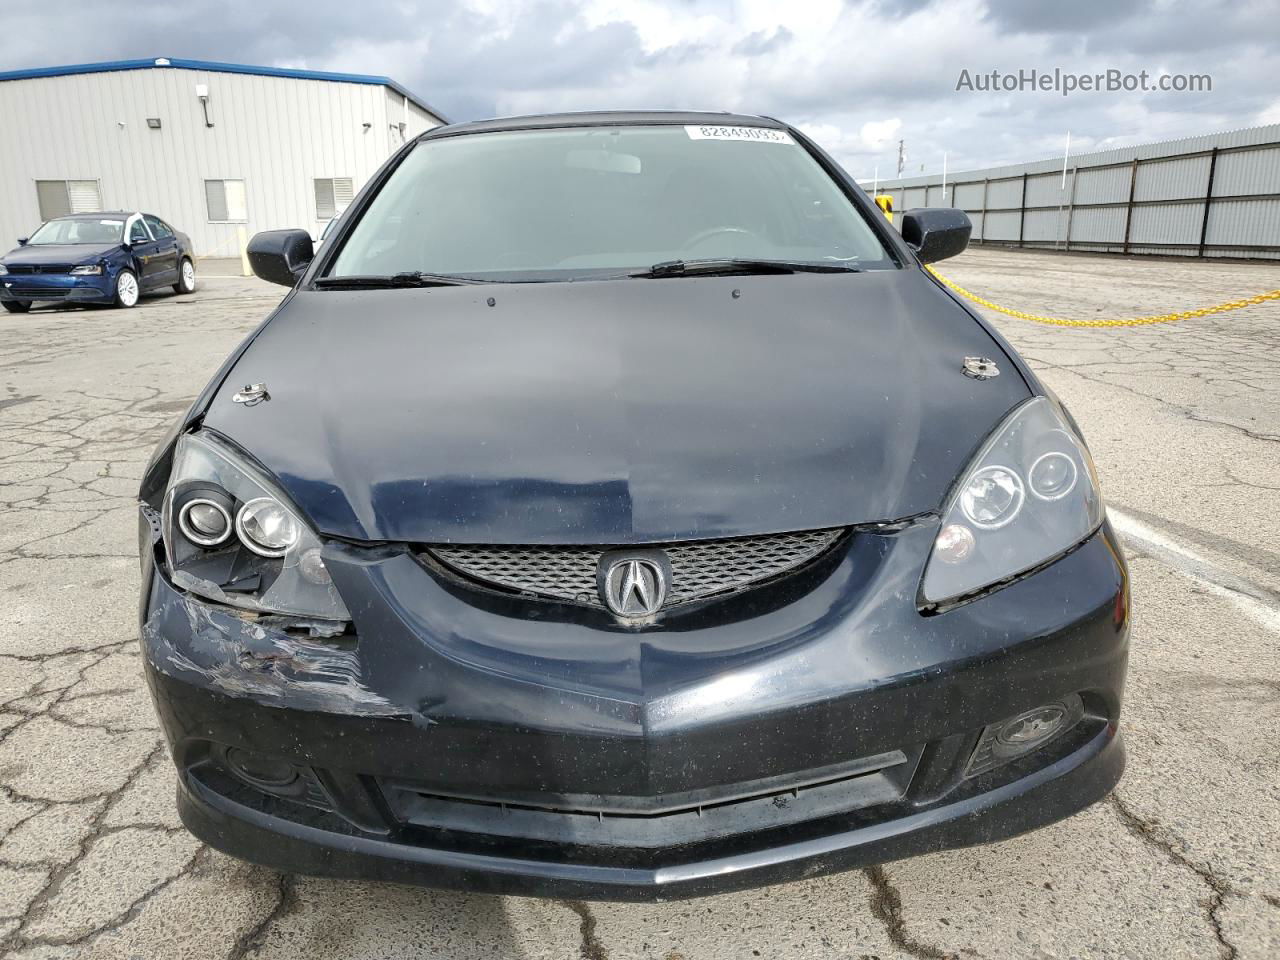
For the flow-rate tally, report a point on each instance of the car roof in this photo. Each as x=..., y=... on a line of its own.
x=604, y=118
x=96, y=214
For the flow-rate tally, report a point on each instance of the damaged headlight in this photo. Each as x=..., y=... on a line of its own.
x=1029, y=495
x=231, y=536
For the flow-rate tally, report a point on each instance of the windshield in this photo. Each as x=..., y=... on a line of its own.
x=79, y=230
x=567, y=203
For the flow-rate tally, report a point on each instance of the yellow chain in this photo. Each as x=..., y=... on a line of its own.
x=1133, y=322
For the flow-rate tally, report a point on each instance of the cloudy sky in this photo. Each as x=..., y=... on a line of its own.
x=857, y=75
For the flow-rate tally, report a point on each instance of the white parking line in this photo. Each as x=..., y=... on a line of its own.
x=1254, y=601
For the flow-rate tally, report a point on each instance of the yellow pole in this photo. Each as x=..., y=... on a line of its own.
x=242, y=239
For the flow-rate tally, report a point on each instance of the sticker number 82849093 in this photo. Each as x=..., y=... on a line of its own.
x=751, y=134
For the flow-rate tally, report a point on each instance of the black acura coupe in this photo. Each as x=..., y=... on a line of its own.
x=617, y=508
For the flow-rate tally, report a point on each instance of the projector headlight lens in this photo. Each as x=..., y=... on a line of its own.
x=266, y=527
x=1053, y=476
x=204, y=522
x=992, y=497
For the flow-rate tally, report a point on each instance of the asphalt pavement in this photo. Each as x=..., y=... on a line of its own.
x=1183, y=861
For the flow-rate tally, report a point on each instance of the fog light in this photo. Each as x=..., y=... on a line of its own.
x=1023, y=734
x=269, y=773
x=1034, y=726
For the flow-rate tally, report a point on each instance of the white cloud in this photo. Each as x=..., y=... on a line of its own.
x=857, y=75
x=1270, y=115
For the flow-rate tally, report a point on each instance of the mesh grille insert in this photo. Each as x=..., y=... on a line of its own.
x=699, y=568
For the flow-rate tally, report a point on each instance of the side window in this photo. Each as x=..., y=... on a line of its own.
x=138, y=233
x=226, y=201
x=159, y=229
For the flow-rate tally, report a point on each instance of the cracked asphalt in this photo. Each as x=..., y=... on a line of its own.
x=1182, y=862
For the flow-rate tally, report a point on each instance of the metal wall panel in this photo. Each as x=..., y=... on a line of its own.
x=1105, y=185
x=1047, y=190
x=1002, y=194
x=1172, y=179
x=277, y=134
x=1252, y=172
x=1097, y=225
x=1167, y=223
x=1044, y=226
x=1001, y=226
x=968, y=196
x=1168, y=185
x=1244, y=222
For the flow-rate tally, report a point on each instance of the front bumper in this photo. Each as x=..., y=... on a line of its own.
x=57, y=286
x=468, y=739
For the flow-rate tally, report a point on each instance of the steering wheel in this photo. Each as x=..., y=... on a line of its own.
x=701, y=237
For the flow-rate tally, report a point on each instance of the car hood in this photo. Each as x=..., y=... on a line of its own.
x=58, y=253
x=617, y=412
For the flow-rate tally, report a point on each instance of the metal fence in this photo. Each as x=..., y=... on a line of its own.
x=1210, y=196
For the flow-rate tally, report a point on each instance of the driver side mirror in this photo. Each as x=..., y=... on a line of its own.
x=22, y=241
x=281, y=256
x=936, y=233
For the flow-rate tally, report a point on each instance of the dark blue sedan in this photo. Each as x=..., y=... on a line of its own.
x=112, y=257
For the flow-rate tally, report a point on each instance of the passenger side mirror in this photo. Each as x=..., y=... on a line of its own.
x=936, y=233
x=22, y=241
x=281, y=256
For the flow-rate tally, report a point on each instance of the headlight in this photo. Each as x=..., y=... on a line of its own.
x=1030, y=494
x=88, y=270
x=3, y=270
x=231, y=536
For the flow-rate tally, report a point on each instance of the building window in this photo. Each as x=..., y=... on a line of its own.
x=226, y=201
x=332, y=197
x=57, y=198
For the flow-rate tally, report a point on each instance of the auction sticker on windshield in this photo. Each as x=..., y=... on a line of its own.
x=756, y=134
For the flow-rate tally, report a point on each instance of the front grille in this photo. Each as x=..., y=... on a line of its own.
x=699, y=568
x=45, y=268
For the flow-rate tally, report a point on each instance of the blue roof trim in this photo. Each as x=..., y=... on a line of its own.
x=170, y=63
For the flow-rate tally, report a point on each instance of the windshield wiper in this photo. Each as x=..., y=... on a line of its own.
x=731, y=265
x=413, y=278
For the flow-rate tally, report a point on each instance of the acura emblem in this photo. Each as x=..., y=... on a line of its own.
x=634, y=585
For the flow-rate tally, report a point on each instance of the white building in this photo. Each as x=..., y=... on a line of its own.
x=213, y=148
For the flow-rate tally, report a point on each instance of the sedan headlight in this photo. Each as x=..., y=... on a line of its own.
x=1029, y=495
x=87, y=270
x=3, y=270
x=231, y=536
